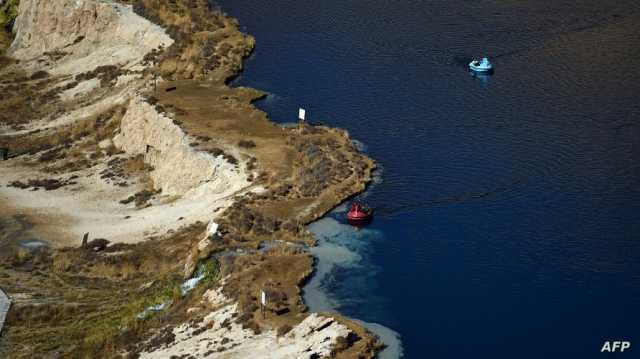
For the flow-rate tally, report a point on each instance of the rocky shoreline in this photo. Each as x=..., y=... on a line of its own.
x=120, y=124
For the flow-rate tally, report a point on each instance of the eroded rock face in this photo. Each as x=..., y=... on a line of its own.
x=104, y=45
x=220, y=336
x=178, y=168
x=94, y=33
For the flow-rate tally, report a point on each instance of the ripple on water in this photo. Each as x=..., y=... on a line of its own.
x=519, y=190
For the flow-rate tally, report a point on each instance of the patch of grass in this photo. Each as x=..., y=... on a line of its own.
x=8, y=12
x=205, y=39
x=48, y=184
x=211, y=270
x=38, y=75
x=95, y=328
x=102, y=331
x=284, y=329
x=246, y=144
x=107, y=74
x=141, y=198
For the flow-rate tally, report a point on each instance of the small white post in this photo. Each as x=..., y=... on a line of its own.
x=263, y=302
x=301, y=114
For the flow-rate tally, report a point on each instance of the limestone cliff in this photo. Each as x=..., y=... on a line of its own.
x=92, y=57
x=177, y=168
x=88, y=33
x=104, y=104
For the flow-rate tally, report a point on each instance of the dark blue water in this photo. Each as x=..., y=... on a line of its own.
x=509, y=206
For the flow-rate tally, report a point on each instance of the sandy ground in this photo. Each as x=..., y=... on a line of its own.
x=182, y=154
x=92, y=206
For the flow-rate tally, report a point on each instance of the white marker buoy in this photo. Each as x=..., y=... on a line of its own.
x=301, y=114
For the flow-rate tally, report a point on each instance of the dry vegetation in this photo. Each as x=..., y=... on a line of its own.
x=307, y=169
x=83, y=302
x=207, y=43
x=70, y=147
x=8, y=12
x=21, y=96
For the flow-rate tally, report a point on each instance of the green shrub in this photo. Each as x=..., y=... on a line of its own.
x=211, y=269
x=8, y=12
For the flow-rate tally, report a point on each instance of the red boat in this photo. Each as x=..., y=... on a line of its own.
x=359, y=214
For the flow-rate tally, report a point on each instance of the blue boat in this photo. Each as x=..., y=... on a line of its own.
x=481, y=66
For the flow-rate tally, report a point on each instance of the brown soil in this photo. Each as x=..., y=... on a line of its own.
x=318, y=165
x=80, y=303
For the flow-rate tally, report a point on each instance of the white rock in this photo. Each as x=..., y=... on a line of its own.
x=106, y=143
x=212, y=229
x=90, y=33
x=316, y=334
x=178, y=168
x=83, y=87
x=215, y=297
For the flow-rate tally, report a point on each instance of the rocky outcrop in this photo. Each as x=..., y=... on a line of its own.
x=80, y=36
x=5, y=304
x=178, y=168
x=91, y=33
x=89, y=61
x=220, y=336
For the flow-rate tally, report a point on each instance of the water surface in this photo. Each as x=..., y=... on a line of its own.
x=509, y=207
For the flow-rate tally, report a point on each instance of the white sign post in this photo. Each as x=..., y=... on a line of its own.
x=301, y=114
x=263, y=301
